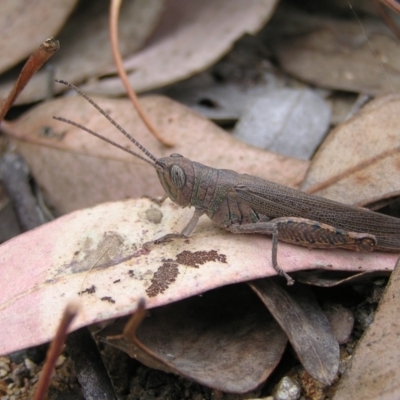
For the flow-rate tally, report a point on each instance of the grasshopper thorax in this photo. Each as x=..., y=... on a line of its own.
x=176, y=175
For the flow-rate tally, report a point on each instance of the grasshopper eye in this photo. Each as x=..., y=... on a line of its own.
x=178, y=177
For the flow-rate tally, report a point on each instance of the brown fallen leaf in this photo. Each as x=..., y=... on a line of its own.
x=191, y=36
x=341, y=320
x=337, y=54
x=22, y=27
x=85, y=45
x=96, y=254
x=374, y=369
x=77, y=170
x=299, y=315
x=358, y=163
x=225, y=339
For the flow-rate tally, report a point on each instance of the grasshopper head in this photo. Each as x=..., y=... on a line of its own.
x=176, y=175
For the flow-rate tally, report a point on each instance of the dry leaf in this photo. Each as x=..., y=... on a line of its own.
x=358, y=163
x=192, y=36
x=98, y=252
x=77, y=170
x=328, y=279
x=22, y=28
x=9, y=226
x=215, y=339
x=292, y=122
x=374, y=369
x=222, y=102
x=299, y=315
x=85, y=45
x=341, y=320
x=337, y=54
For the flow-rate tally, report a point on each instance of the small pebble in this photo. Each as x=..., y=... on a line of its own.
x=30, y=365
x=60, y=360
x=287, y=389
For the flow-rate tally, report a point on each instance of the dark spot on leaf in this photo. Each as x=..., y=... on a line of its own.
x=164, y=276
x=108, y=298
x=197, y=258
x=167, y=273
x=90, y=290
x=118, y=280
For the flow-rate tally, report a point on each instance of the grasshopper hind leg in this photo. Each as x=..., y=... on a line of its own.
x=307, y=233
x=278, y=269
x=266, y=228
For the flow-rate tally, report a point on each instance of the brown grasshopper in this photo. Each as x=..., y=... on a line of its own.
x=244, y=203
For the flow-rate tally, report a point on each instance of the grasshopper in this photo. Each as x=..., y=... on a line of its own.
x=244, y=203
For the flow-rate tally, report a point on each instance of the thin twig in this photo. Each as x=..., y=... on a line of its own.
x=134, y=322
x=34, y=62
x=54, y=351
x=114, y=12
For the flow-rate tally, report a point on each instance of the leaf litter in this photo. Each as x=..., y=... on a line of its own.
x=357, y=164
x=215, y=339
x=45, y=143
x=104, y=257
x=102, y=248
x=179, y=49
x=85, y=45
x=22, y=28
x=336, y=53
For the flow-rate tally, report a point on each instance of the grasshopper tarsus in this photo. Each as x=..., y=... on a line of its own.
x=169, y=237
x=278, y=269
x=289, y=280
x=163, y=239
x=247, y=204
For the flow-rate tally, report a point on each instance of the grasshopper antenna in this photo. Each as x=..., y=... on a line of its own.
x=113, y=122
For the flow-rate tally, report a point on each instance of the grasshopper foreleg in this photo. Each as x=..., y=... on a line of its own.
x=186, y=231
x=308, y=233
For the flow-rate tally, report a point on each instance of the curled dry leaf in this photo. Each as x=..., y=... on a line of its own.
x=77, y=170
x=335, y=278
x=374, y=370
x=359, y=161
x=337, y=54
x=215, y=339
x=191, y=36
x=85, y=45
x=98, y=252
x=299, y=315
x=22, y=27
